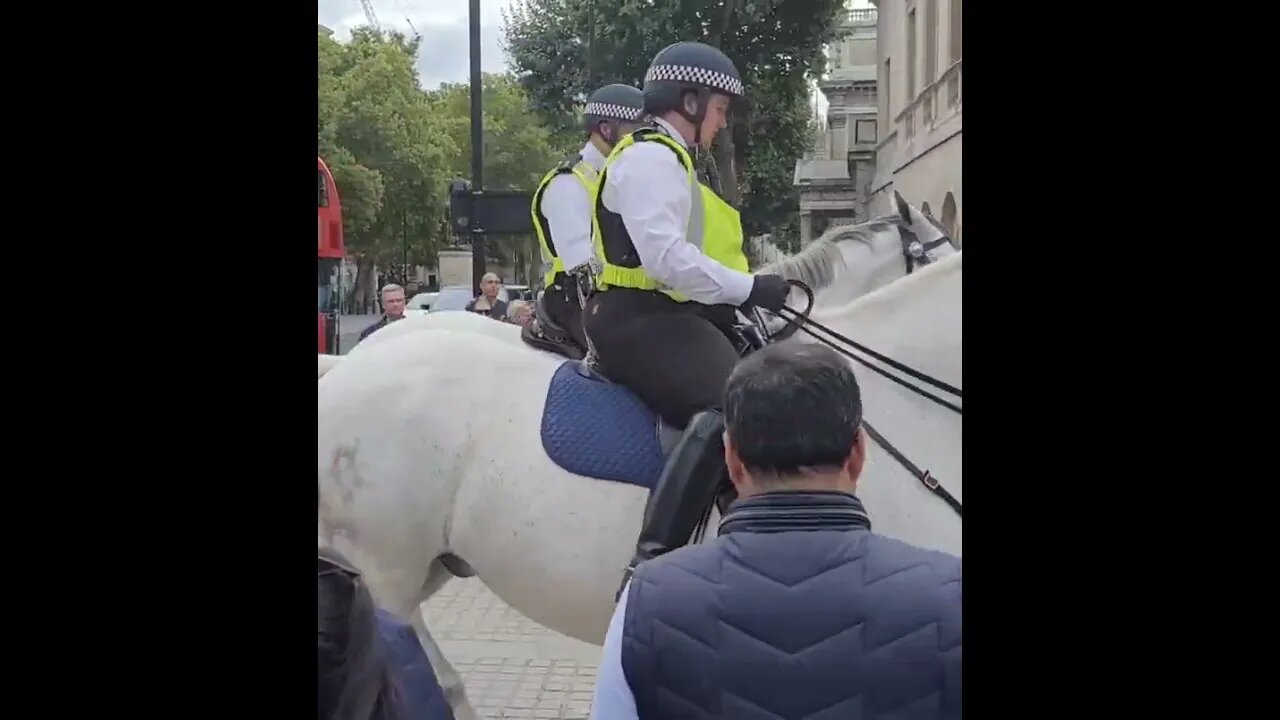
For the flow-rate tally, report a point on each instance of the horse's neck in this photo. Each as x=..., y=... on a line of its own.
x=916, y=320
x=862, y=269
x=916, y=294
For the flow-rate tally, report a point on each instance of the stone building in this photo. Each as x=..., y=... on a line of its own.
x=918, y=53
x=834, y=177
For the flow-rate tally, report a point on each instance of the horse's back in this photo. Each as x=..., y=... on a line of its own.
x=444, y=320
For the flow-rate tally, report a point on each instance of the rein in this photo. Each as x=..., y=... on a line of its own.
x=800, y=321
x=803, y=321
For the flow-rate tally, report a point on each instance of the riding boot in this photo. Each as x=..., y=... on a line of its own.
x=685, y=490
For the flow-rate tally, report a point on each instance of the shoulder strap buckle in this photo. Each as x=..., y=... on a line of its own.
x=570, y=162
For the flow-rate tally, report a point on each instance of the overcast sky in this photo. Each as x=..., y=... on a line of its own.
x=444, y=56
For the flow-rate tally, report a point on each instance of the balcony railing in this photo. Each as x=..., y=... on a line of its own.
x=862, y=16
x=925, y=107
x=952, y=79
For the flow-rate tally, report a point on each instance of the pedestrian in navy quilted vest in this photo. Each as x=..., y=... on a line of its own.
x=797, y=610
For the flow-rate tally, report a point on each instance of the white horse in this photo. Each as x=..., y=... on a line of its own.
x=847, y=261
x=431, y=461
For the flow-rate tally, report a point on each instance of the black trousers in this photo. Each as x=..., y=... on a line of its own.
x=562, y=305
x=673, y=355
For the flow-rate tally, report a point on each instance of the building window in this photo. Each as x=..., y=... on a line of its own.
x=865, y=131
x=930, y=41
x=956, y=32
x=911, y=56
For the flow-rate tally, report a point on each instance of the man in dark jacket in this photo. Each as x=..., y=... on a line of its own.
x=393, y=302
x=797, y=610
x=489, y=303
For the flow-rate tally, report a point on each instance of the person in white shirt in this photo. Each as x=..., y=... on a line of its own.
x=561, y=211
x=672, y=272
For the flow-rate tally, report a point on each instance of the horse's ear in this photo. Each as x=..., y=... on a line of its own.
x=904, y=208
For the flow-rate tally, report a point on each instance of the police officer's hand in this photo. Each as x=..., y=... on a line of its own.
x=769, y=292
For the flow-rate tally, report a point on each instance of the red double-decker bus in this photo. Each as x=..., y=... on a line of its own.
x=330, y=258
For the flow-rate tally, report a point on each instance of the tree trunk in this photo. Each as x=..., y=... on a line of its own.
x=363, y=293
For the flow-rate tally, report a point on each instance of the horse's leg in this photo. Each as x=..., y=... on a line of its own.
x=451, y=684
x=455, y=692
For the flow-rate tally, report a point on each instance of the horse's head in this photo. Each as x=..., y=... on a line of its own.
x=849, y=261
x=922, y=239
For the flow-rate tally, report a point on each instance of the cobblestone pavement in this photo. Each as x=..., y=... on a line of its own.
x=512, y=666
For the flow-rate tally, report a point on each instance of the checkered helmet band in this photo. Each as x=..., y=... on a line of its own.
x=613, y=110
x=700, y=76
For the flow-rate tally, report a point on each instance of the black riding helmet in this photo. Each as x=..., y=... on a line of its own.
x=685, y=66
x=612, y=103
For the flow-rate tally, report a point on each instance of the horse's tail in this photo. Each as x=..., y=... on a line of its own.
x=327, y=363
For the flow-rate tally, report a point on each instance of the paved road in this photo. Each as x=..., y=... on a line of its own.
x=349, y=329
x=512, y=666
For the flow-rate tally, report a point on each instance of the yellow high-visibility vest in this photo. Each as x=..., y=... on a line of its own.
x=715, y=228
x=586, y=175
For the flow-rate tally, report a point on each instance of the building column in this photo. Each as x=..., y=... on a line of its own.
x=806, y=228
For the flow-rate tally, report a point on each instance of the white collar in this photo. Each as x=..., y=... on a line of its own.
x=671, y=130
x=592, y=156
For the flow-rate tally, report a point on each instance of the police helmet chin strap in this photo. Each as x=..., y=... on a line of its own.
x=703, y=99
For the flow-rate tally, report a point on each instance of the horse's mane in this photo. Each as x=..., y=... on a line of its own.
x=815, y=265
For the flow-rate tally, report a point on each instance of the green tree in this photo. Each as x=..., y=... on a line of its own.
x=518, y=148
x=385, y=148
x=562, y=49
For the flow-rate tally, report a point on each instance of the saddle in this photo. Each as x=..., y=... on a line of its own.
x=543, y=333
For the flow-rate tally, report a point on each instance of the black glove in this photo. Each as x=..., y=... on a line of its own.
x=769, y=292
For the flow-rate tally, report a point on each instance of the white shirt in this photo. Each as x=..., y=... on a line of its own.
x=567, y=207
x=613, y=698
x=649, y=188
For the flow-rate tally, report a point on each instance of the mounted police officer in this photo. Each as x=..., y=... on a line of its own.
x=672, y=272
x=561, y=211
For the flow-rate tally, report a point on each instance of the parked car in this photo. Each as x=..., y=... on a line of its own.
x=452, y=297
x=456, y=297
x=420, y=304
x=518, y=292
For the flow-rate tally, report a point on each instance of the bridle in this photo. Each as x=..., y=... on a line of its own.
x=757, y=335
x=915, y=253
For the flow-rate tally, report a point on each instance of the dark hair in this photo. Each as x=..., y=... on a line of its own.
x=791, y=408
x=354, y=678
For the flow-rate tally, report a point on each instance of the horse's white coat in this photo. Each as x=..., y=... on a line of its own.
x=429, y=443
x=916, y=321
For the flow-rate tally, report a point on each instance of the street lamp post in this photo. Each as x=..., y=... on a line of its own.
x=477, y=148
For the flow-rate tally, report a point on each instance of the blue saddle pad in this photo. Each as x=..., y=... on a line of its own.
x=599, y=429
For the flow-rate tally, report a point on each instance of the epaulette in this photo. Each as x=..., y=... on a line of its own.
x=644, y=131
x=569, y=163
